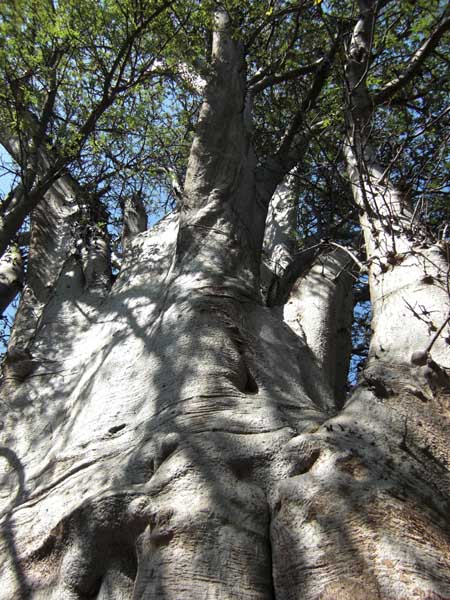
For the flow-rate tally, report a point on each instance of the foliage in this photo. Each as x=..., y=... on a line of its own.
x=110, y=90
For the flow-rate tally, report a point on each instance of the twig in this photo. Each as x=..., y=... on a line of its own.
x=362, y=267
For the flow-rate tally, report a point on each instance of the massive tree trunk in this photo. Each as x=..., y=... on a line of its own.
x=176, y=439
x=408, y=273
x=371, y=512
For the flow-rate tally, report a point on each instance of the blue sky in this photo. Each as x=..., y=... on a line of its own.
x=6, y=182
x=6, y=179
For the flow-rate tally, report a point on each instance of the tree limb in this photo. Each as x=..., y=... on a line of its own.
x=11, y=276
x=281, y=287
x=260, y=82
x=413, y=66
x=297, y=122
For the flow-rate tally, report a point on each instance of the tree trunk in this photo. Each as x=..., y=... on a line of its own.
x=408, y=273
x=176, y=439
x=171, y=439
x=320, y=306
x=370, y=513
x=65, y=237
x=312, y=291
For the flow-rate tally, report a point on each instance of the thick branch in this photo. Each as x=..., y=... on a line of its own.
x=321, y=305
x=134, y=219
x=281, y=288
x=258, y=83
x=14, y=214
x=217, y=151
x=20, y=204
x=279, y=242
x=11, y=276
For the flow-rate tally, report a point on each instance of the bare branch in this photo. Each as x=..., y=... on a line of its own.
x=110, y=90
x=273, y=17
x=258, y=83
x=362, y=268
x=413, y=66
x=310, y=99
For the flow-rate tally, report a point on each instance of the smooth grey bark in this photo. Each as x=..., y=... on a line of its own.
x=51, y=201
x=64, y=228
x=406, y=270
x=218, y=199
x=64, y=232
x=178, y=441
x=11, y=276
x=134, y=219
x=320, y=306
x=40, y=171
x=168, y=463
x=370, y=509
x=164, y=411
x=183, y=433
x=313, y=289
x=12, y=217
x=281, y=224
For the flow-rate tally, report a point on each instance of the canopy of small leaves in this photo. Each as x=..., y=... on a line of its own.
x=113, y=87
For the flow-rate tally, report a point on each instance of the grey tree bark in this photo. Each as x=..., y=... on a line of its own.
x=372, y=506
x=310, y=288
x=64, y=237
x=177, y=439
x=134, y=219
x=320, y=306
x=408, y=273
x=11, y=276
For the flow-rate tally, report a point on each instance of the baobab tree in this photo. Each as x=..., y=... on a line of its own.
x=177, y=426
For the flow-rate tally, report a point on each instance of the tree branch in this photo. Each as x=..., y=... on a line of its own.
x=413, y=66
x=273, y=17
x=219, y=145
x=281, y=287
x=11, y=276
x=110, y=91
x=362, y=268
x=297, y=122
x=258, y=83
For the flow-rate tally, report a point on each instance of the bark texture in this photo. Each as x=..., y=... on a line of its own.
x=65, y=238
x=11, y=276
x=175, y=438
x=183, y=463
x=370, y=511
x=320, y=306
x=408, y=273
x=310, y=288
x=179, y=444
x=134, y=219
